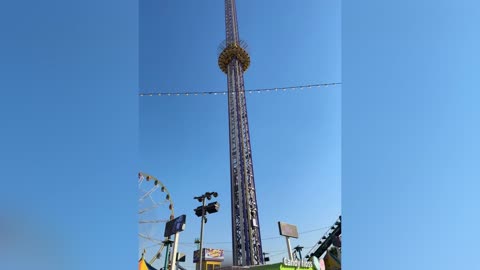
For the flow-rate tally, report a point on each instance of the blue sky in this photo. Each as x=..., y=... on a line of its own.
x=295, y=135
x=410, y=134
x=68, y=134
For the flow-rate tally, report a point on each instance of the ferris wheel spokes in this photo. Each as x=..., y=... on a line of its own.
x=152, y=216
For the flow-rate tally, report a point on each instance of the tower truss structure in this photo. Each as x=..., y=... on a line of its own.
x=234, y=61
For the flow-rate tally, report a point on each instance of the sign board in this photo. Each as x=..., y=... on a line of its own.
x=287, y=230
x=209, y=254
x=297, y=263
x=175, y=225
x=196, y=256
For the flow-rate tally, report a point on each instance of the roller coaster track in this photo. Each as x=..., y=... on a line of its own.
x=326, y=241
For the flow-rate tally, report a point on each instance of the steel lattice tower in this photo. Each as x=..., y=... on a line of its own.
x=234, y=61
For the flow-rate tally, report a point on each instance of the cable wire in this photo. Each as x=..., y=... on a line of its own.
x=275, y=237
x=260, y=90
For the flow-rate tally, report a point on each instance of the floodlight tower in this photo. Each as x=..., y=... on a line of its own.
x=234, y=61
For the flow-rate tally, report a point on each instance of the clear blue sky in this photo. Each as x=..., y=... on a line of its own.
x=68, y=115
x=410, y=142
x=295, y=135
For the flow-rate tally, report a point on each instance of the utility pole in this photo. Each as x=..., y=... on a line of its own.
x=201, y=211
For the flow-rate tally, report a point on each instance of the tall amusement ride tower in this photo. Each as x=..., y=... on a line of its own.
x=234, y=61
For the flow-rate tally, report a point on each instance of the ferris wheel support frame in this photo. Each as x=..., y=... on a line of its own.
x=157, y=183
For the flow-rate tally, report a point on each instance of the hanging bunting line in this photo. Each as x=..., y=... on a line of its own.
x=204, y=93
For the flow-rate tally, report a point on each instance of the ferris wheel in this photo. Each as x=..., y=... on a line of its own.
x=154, y=211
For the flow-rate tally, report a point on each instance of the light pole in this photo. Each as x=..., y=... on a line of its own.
x=200, y=212
x=167, y=243
x=298, y=249
x=265, y=258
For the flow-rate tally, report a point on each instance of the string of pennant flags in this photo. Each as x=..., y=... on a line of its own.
x=251, y=91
